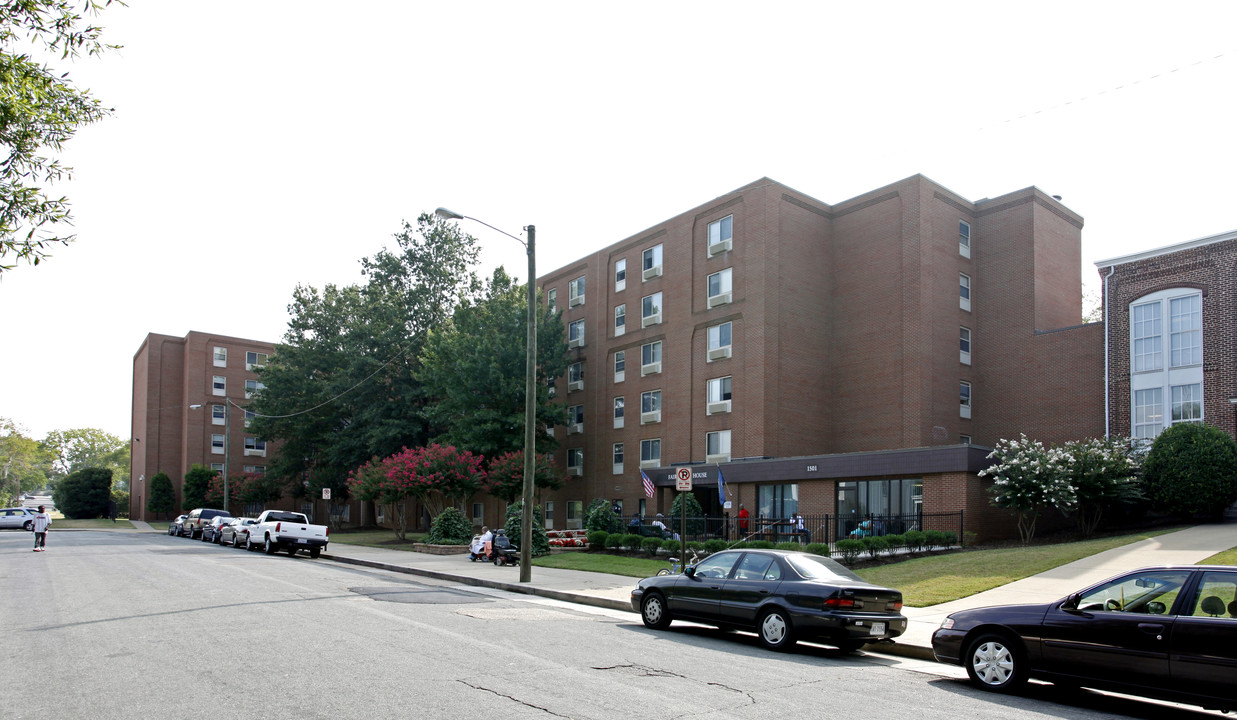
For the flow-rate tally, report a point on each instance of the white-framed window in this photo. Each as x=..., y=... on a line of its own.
x=255, y=360
x=251, y=387
x=1187, y=403
x=218, y=415
x=575, y=377
x=964, y=291
x=1146, y=328
x=575, y=292
x=249, y=417
x=719, y=342
x=1185, y=331
x=221, y=357
x=620, y=366
x=650, y=452
x=216, y=444
x=549, y=514
x=720, y=291
x=721, y=234
x=552, y=383
x=219, y=385
x=964, y=343
x=620, y=320
x=964, y=439
x=254, y=469
x=619, y=406
x=650, y=407
x=964, y=238
x=650, y=263
x=575, y=514
x=1166, y=378
x=718, y=395
x=551, y=299
x=650, y=310
x=217, y=467
x=575, y=461
x=717, y=446
x=575, y=333
x=620, y=275
x=964, y=399
x=575, y=419
x=618, y=459
x=1148, y=412
x=650, y=358
x=254, y=446
x=478, y=513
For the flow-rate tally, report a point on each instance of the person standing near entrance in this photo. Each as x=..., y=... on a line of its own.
x=742, y=521
x=41, y=523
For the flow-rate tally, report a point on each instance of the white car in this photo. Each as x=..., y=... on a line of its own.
x=17, y=518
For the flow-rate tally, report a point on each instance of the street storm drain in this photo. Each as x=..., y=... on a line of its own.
x=419, y=595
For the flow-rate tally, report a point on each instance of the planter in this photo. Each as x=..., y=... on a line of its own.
x=440, y=549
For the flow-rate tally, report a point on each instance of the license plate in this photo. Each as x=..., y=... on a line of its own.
x=303, y=540
x=877, y=629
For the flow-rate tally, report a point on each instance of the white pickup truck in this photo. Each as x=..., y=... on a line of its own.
x=290, y=531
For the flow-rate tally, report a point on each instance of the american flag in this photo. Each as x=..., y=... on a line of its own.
x=648, y=484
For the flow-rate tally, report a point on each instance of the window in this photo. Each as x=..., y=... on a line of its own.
x=575, y=376
x=620, y=275
x=650, y=407
x=551, y=297
x=575, y=419
x=1145, y=327
x=899, y=502
x=650, y=453
x=221, y=357
x=254, y=446
x=719, y=342
x=650, y=310
x=620, y=320
x=720, y=235
x=777, y=500
x=717, y=446
x=478, y=513
x=619, y=404
x=219, y=385
x=1160, y=586
x=1187, y=404
x=549, y=515
x=964, y=439
x=575, y=461
x=218, y=468
x=618, y=459
x=575, y=292
x=650, y=358
x=251, y=387
x=964, y=292
x=254, y=360
x=964, y=336
x=620, y=366
x=1148, y=412
x=254, y=469
x=964, y=238
x=964, y=399
x=552, y=382
x=1185, y=320
x=216, y=444
x=719, y=288
x=575, y=514
x=218, y=415
x=1216, y=592
x=651, y=263
x=249, y=416
x=575, y=334
x=718, y=396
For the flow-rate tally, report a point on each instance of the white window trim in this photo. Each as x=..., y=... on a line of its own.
x=1166, y=377
x=964, y=302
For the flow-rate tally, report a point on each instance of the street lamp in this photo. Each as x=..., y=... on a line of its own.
x=530, y=390
x=227, y=443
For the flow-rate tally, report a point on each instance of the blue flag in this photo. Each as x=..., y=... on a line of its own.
x=721, y=487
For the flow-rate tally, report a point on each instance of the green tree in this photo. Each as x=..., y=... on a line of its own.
x=515, y=522
x=439, y=476
x=40, y=110
x=695, y=514
x=1027, y=479
x=79, y=448
x=193, y=490
x=450, y=528
x=162, y=497
x=475, y=368
x=600, y=515
x=24, y=462
x=1103, y=473
x=84, y=493
x=1192, y=469
x=505, y=477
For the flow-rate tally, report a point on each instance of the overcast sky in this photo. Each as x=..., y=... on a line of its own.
x=258, y=145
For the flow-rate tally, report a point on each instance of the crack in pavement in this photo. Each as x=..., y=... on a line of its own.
x=646, y=671
x=513, y=699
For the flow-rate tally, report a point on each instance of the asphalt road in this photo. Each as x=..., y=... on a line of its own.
x=114, y=625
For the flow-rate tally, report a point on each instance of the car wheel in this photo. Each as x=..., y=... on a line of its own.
x=849, y=646
x=315, y=552
x=995, y=663
x=269, y=547
x=653, y=611
x=29, y=524
x=775, y=631
x=249, y=543
x=663, y=572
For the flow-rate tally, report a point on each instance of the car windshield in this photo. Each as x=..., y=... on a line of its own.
x=285, y=517
x=816, y=567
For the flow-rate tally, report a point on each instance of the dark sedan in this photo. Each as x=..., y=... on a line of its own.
x=1164, y=632
x=780, y=595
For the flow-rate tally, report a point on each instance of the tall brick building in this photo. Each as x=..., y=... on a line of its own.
x=188, y=409
x=835, y=359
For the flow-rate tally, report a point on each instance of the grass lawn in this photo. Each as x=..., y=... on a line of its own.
x=59, y=522
x=377, y=538
x=637, y=567
x=1228, y=557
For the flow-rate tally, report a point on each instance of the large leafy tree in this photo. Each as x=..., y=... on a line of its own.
x=24, y=463
x=505, y=477
x=1028, y=478
x=342, y=388
x=162, y=497
x=80, y=448
x=193, y=490
x=439, y=476
x=1103, y=473
x=474, y=367
x=84, y=493
x=40, y=109
x=1192, y=469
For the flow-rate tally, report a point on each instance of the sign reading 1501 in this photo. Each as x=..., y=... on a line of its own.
x=811, y=468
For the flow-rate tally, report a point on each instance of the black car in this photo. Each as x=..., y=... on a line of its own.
x=780, y=595
x=1165, y=632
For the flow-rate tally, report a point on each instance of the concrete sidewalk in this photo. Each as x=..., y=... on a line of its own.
x=1184, y=547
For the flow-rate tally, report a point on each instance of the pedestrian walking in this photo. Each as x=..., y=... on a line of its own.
x=41, y=523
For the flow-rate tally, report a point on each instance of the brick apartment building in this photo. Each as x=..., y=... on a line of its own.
x=838, y=359
x=1171, y=343
x=188, y=409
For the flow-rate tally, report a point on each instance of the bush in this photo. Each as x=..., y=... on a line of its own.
x=84, y=494
x=600, y=516
x=450, y=528
x=695, y=545
x=788, y=546
x=759, y=544
x=193, y=489
x=1192, y=469
x=634, y=542
x=874, y=545
x=895, y=541
x=615, y=540
x=598, y=538
x=514, y=520
x=850, y=549
x=162, y=497
x=818, y=549
x=650, y=545
x=914, y=540
x=695, y=513
x=712, y=546
x=937, y=538
x=672, y=546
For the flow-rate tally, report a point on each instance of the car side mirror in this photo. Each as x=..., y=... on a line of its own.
x=690, y=571
x=1071, y=603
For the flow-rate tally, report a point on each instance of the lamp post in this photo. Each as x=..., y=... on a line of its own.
x=530, y=391
x=227, y=443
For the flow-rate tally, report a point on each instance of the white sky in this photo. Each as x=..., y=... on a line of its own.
x=257, y=145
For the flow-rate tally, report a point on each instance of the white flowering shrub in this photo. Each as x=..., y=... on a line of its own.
x=1103, y=472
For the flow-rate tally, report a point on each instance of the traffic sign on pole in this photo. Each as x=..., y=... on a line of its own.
x=683, y=479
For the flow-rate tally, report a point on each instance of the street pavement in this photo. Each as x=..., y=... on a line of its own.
x=1184, y=547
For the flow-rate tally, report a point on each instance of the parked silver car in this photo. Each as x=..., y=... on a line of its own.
x=210, y=531
x=177, y=526
x=236, y=531
x=17, y=518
